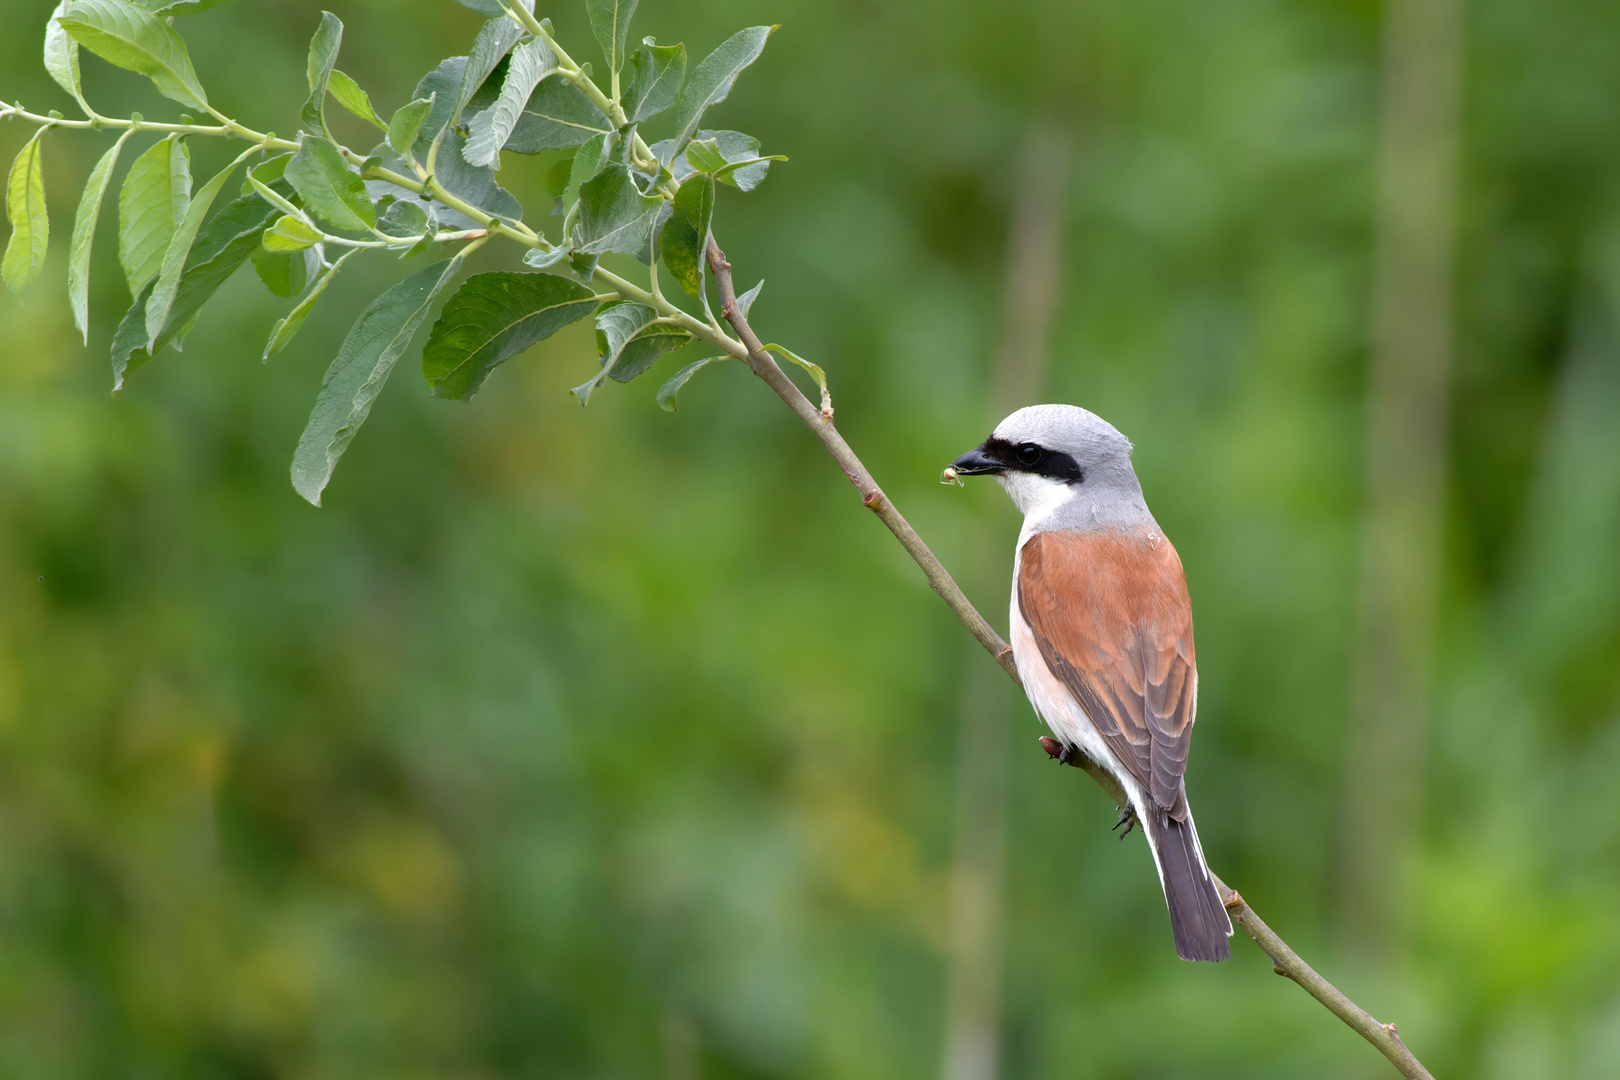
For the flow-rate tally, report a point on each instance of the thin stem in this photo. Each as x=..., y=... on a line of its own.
x=1284, y=960
x=230, y=130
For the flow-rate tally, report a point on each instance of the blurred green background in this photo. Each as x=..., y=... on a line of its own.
x=613, y=743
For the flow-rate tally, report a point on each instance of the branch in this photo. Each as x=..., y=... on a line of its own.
x=1284, y=961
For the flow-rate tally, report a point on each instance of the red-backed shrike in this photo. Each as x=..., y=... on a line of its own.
x=1103, y=636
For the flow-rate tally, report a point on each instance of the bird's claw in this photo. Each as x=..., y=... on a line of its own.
x=1127, y=818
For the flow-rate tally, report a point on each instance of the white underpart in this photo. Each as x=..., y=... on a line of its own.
x=1053, y=701
x=1035, y=496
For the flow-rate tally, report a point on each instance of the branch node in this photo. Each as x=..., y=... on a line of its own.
x=1275, y=970
x=873, y=501
x=1233, y=902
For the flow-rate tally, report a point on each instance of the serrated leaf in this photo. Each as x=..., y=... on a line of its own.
x=613, y=213
x=610, y=21
x=285, y=274
x=667, y=392
x=491, y=319
x=712, y=80
x=62, y=58
x=557, y=116
x=30, y=221
x=368, y=355
x=84, y=234
x=330, y=189
x=288, y=235
x=221, y=248
x=490, y=129
x=152, y=203
x=656, y=72
x=407, y=123
x=348, y=94
x=133, y=38
x=167, y=286
x=687, y=233
x=495, y=39
x=286, y=327
x=323, y=53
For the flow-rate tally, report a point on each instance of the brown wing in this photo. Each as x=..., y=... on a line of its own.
x=1113, y=621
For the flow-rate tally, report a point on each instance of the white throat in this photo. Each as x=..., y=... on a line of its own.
x=1035, y=496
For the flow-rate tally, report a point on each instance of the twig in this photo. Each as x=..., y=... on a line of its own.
x=1284, y=960
x=872, y=496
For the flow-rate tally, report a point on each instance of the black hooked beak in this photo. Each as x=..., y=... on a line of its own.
x=977, y=463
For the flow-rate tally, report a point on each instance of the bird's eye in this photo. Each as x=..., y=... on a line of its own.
x=1029, y=454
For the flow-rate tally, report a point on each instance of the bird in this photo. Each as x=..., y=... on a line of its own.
x=1102, y=635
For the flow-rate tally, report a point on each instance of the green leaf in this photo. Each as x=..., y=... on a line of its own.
x=289, y=235
x=351, y=97
x=815, y=373
x=616, y=324
x=323, y=53
x=558, y=116
x=687, y=233
x=647, y=346
x=656, y=72
x=493, y=318
x=286, y=327
x=286, y=274
x=84, y=233
x=181, y=7
x=584, y=266
x=441, y=86
x=745, y=302
x=489, y=130
x=30, y=223
x=174, y=259
x=542, y=260
x=493, y=7
x=667, y=392
x=588, y=162
x=711, y=82
x=739, y=164
x=132, y=38
x=221, y=248
x=704, y=156
x=406, y=218
x=62, y=58
x=610, y=20
x=156, y=193
x=495, y=39
x=613, y=213
x=330, y=189
x=374, y=344
x=473, y=184
x=406, y=124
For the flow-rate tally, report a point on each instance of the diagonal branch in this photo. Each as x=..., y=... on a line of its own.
x=1284, y=960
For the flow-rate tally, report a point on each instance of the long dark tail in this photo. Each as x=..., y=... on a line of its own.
x=1197, y=917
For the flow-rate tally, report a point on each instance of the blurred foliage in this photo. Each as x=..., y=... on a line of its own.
x=612, y=743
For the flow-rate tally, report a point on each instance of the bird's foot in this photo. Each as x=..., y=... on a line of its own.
x=1061, y=751
x=1127, y=818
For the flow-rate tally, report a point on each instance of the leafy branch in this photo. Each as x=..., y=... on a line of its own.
x=432, y=184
